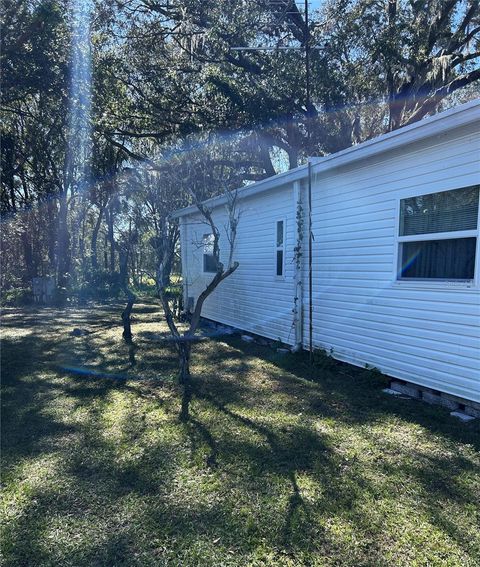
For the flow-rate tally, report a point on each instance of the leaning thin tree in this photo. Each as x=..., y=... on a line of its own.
x=184, y=339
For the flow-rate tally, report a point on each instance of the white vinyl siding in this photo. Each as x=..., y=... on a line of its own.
x=253, y=298
x=427, y=332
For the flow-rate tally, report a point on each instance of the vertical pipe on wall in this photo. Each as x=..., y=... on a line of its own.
x=183, y=257
x=309, y=171
x=298, y=267
x=310, y=265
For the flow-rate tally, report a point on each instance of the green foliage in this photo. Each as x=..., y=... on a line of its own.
x=298, y=249
x=323, y=359
x=177, y=115
x=376, y=374
x=148, y=289
x=17, y=297
x=174, y=291
x=98, y=286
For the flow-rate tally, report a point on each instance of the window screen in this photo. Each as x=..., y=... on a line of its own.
x=280, y=248
x=447, y=211
x=279, y=262
x=279, y=233
x=209, y=262
x=422, y=255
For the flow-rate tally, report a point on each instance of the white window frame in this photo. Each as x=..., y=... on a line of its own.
x=280, y=248
x=204, y=236
x=434, y=283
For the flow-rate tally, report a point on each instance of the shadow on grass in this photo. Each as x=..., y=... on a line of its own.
x=56, y=466
x=335, y=389
x=297, y=451
x=123, y=479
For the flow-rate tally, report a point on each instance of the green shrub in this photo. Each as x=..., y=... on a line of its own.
x=17, y=297
x=323, y=359
x=98, y=286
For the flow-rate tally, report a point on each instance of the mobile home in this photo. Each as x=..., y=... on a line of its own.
x=395, y=256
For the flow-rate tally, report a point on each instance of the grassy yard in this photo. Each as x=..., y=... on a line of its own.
x=274, y=468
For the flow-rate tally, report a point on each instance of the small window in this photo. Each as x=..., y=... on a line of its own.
x=438, y=235
x=209, y=262
x=280, y=248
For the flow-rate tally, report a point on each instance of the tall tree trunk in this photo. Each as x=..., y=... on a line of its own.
x=111, y=239
x=105, y=253
x=76, y=214
x=131, y=297
x=81, y=242
x=51, y=235
x=8, y=143
x=126, y=313
x=185, y=378
x=94, y=240
x=28, y=252
x=294, y=141
x=63, y=243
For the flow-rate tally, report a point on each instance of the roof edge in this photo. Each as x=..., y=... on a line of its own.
x=443, y=121
x=248, y=190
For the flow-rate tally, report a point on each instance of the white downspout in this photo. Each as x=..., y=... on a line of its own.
x=183, y=257
x=297, y=267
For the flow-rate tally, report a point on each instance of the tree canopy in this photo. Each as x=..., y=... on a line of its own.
x=173, y=97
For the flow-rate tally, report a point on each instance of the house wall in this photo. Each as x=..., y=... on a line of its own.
x=426, y=333
x=252, y=298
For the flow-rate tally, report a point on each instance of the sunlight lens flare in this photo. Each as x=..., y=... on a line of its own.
x=80, y=138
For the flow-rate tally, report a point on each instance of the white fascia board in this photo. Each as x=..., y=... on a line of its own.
x=434, y=125
x=248, y=190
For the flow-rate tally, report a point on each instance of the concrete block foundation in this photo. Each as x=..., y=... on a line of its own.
x=456, y=405
x=405, y=388
x=469, y=410
x=438, y=399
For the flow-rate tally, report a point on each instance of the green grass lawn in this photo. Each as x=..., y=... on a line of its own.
x=274, y=468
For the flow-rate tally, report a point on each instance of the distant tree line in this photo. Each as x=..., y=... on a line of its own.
x=174, y=107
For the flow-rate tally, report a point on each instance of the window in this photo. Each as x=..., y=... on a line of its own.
x=209, y=262
x=280, y=248
x=438, y=235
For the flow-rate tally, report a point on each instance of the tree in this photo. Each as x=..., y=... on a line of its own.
x=168, y=85
x=377, y=65
x=183, y=339
x=410, y=54
x=34, y=106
